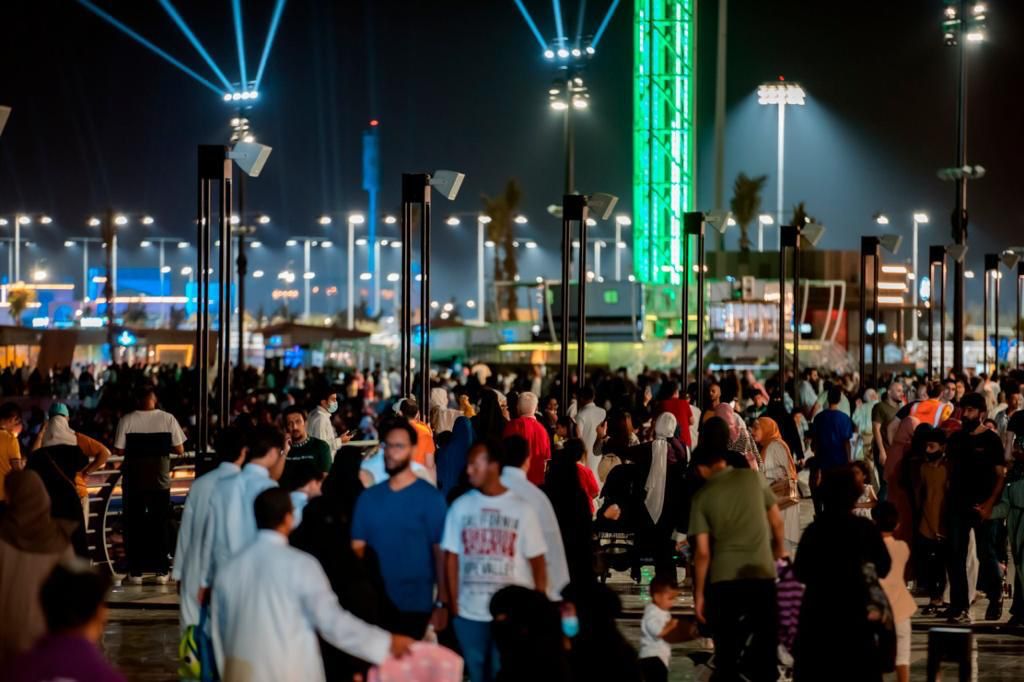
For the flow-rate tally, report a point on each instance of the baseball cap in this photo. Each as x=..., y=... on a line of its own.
x=59, y=409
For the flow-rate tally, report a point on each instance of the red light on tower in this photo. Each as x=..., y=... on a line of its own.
x=782, y=78
x=374, y=123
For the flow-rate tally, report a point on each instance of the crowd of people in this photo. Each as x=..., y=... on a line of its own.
x=347, y=532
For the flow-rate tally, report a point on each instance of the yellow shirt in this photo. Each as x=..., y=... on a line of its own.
x=9, y=450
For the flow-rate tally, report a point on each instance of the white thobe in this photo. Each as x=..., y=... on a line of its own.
x=588, y=418
x=231, y=523
x=194, y=543
x=515, y=480
x=269, y=604
x=320, y=426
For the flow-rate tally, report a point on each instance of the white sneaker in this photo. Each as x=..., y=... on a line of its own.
x=161, y=578
x=135, y=580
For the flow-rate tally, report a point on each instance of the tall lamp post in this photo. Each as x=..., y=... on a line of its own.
x=621, y=221
x=870, y=248
x=991, y=274
x=780, y=93
x=936, y=259
x=920, y=218
x=791, y=236
x=353, y=220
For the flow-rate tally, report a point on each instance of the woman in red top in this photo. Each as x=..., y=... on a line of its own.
x=669, y=400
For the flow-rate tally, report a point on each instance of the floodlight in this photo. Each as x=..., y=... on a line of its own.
x=780, y=93
x=602, y=204
x=447, y=182
x=590, y=49
x=390, y=220
x=520, y=220
x=147, y=220
x=93, y=222
x=718, y=220
x=182, y=245
x=121, y=220
x=485, y=219
x=68, y=243
x=1010, y=259
x=263, y=220
x=45, y=220
x=812, y=232
x=563, y=53
x=549, y=54
x=957, y=252
x=250, y=157
x=890, y=242
x=324, y=220
x=357, y=219
x=5, y=113
x=920, y=217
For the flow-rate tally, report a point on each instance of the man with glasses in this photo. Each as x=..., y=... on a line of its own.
x=402, y=519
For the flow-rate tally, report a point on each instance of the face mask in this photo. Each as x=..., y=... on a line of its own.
x=332, y=407
x=570, y=626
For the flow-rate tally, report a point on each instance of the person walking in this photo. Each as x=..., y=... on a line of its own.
x=831, y=432
x=978, y=471
x=491, y=539
x=779, y=466
x=588, y=418
x=146, y=438
x=573, y=509
x=886, y=517
x=737, y=533
x=401, y=520
x=272, y=583
x=533, y=432
x=194, y=546
x=831, y=562
x=1011, y=507
x=319, y=425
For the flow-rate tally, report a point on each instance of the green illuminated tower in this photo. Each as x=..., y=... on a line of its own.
x=664, y=134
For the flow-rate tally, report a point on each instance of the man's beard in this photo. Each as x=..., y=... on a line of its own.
x=398, y=468
x=969, y=425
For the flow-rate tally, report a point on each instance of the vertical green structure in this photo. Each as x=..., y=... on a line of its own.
x=664, y=134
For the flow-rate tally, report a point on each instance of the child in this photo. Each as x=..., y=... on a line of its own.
x=930, y=481
x=900, y=599
x=657, y=622
x=868, y=499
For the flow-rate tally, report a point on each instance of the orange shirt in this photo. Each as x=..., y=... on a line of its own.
x=424, y=442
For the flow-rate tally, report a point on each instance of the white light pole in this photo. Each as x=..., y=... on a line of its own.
x=353, y=220
x=620, y=222
x=920, y=218
x=598, y=245
x=780, y=93
x=762, y=220
x=481, y=228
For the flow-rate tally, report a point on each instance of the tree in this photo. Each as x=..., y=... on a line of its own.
x=176, y=318
x=501, y=210
x=135, y=315
x=746, y=203
x=18, y=299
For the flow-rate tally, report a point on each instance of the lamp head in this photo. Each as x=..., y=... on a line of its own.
x=812, y=233
x=891, y=242
x=602, y=204
x=250, y=157
x=447, y=182
x=555, y=210
x=1010, y=259
x=718, y=220
x=957, y=252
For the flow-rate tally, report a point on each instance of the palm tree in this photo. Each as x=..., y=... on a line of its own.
x=502, y=210
x=746, y=203
x=18, y=299
x=800, y=217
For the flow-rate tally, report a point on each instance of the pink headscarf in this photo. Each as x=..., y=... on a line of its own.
x=725, y=411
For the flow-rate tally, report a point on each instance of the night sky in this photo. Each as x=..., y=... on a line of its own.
x=99, y=121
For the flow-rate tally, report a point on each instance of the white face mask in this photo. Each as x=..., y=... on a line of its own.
x=332, y=406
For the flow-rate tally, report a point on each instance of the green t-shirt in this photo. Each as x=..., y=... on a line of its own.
x=313, y=450
x=883, y=413
x=730, y=507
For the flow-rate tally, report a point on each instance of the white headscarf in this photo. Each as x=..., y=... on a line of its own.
x=442, y=418
x=664, y=429
x=58, y=432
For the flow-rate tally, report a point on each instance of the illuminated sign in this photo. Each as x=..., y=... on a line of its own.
x=126, y=338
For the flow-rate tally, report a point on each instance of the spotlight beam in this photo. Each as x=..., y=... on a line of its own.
x=604, y=23
x=579, y=22
x=531, y=24
x=556, y=7
x=173, y=14
x=236, y=11
x=148, y=45
x=275, y=21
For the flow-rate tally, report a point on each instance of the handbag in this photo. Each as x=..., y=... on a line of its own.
x=787, y=493
x=195, y=651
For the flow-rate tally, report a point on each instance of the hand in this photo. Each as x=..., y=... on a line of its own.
x=400, y=645
x=17, y=464
x=672, y=625
x=439, y=618
x=698, y=608
x=203, y=597
x=347, y=436
x=613, y=512
x=602, y=430
x=984, y=510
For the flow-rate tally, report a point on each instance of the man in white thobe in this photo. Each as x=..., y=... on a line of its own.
x=319, y=424
x=193, y=541
x=230, y=524
x=514, y=464
x=270, y=603
x=588, y=417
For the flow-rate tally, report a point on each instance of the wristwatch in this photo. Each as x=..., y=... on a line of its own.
x=440, y=605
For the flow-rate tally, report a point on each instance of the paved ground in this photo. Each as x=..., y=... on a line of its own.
x=142, y=637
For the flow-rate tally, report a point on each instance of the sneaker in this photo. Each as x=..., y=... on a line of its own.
x=959, y=617
x=994, y=610
x=135, y=580
x=161, y=578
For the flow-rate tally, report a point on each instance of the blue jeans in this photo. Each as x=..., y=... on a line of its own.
x=478, y=649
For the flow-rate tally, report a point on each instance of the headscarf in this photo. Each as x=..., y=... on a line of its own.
x=58, y=432
x=770, y=433
x=26, y=522
x=728, y=415
x=342, y=486
x=451, y=457
x=787, y=425
x=441, y=417
x=664, y=429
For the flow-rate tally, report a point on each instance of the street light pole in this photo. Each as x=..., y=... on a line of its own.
x=959, y=216
x=305, y=278
x=481, y=228
x=351, y=272
x=780, y=93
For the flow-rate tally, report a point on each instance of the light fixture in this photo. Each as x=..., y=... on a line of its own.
x=24, y=220
x=559, y=105
x=590, y=49
x=975, y=36
x=39, y=275
x=780, y=93
x=361, y=241
x=489, y=244
x=326, y=244
x=969, y=274
x=470, y=303
x=182, y=245
x=324, y=220
x=393, y=277
x=45, y=220
x=485, y=219
x=764, y=219
x=520, y=219
x=920, y=217
x=623, y=220
x=357, y=219
x=68, y=243
x=165, y=269
x=93, y=222
x=145, y=243
x=291, y=242
x=187, y=270
x=390, y=220
x=591, y=222
x=256, y=244
x=365, y=276
x=257, y=274
x=563, y=53
x=549, y=54
x=881, y=219
x=452, y=221
x=147, y=220
x=121, y=220
x=263, y=220
x=3, y=222
x=396, y=245
x=531, y=245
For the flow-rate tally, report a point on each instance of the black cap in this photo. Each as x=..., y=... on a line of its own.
x=973, y=400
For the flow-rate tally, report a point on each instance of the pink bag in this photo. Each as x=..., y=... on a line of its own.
x=424, y=663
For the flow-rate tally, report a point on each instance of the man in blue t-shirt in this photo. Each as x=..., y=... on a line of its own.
x=402, y=520
x=831, y=432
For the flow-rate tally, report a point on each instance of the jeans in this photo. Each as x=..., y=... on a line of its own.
x=147, y=516
x=990, y=578
x=478, y=649
x=743, y=615
x=931, y=562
